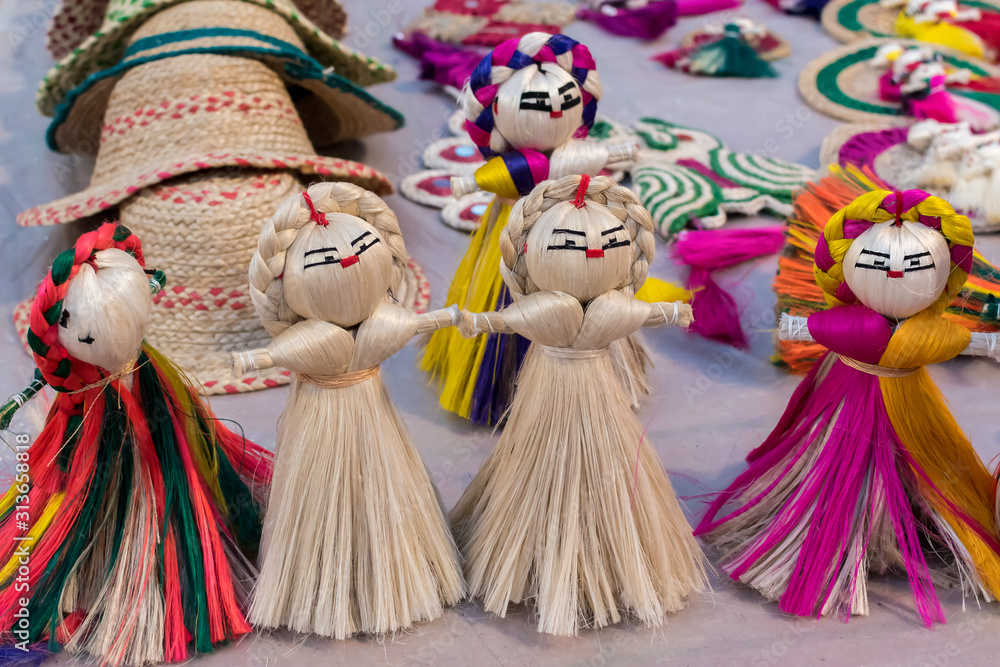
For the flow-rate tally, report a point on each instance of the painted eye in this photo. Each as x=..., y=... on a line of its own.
x=536, y=101
x=64, y=319
x=918, y=262
x=364, y=242
x=871, y=259
x=568, y=239
x=321, y=257
x=614, y=238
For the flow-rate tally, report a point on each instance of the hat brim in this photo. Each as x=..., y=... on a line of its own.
x=94, y=200
x=212, y=370
x=331, y=107
x=841, y=84
x=75, y=20
x=106, y=47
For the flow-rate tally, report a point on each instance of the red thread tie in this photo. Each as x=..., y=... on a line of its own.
x=899, y=209
x=316, y=216
x=581, y=192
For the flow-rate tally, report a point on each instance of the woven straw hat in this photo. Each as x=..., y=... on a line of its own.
x=201, y=230
x=848, y=20
x=842, y=84
x=331, y=107
x=105, y=47
x=192, y=112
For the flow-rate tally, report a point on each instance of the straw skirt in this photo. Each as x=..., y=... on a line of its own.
x=573, y=508
x=355, y=540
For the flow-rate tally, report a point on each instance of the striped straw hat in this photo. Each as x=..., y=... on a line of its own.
x=193, y=112
x=201, y=231
x=331, y=107
x=106, y=46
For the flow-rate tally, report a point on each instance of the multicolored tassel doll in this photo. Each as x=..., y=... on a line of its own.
x=355, y=540
x=867, y=469
x=572, y=509
x=527, y=106
x=133, y=522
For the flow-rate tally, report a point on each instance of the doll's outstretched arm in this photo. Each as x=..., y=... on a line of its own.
x=310, y=346
x=472, y=324
x=439, y=319
x=794, y=328
x=662, y=313
x=983, y=344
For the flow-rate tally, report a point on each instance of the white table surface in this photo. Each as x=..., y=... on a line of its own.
x=710, y=406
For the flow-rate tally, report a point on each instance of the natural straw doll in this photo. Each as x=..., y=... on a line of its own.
x=354, y=539
x=867, y=469
x=527, y=105
x=140, y=511
x=573, y=509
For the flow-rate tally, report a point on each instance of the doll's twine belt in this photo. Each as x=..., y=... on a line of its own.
x=339, y=381
x=875, y=369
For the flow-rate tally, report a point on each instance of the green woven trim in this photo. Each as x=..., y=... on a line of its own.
x=770, y=176
x=105, y=48
x=826, y=81
x=847, y=16
x=674, y=195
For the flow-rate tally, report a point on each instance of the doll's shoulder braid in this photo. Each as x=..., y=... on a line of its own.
x=277, y=235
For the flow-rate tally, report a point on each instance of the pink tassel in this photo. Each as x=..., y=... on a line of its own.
x=715, y=313
x=696, y=7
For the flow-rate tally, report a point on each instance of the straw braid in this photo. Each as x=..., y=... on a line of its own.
x=513, y=55
x=601, y=190
x=62, y=372
x=880, y=207
x=268, y=263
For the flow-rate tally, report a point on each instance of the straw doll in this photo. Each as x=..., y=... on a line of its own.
x=131, y=528
x=354, y=539
x=527, y=106
x=573, y=509
x=867, y=469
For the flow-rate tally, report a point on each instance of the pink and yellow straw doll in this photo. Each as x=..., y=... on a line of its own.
x=141, y=512
x=867, y=470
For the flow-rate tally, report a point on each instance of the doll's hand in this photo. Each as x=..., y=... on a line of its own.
x=794, y=328
x=676, y=313
x=467, y=324
x=463, y=185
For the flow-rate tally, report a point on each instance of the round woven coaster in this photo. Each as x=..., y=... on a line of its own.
x=848, y=20
x=842, y=84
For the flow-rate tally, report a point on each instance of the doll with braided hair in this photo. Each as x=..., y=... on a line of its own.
x=528, y=106
x=573, y=510
x=355, y=540
x=133, y=523
x=867, y=470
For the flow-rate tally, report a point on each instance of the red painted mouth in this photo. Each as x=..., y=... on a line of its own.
x=353, y=259
x=555, y=114
x=894, y=274
x=594, y=253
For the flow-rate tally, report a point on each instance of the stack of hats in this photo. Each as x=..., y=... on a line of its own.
x=204, y=115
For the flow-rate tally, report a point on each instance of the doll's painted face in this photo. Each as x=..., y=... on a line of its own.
x=538, y=107
x=898, y=271
x=583, y=252
x=339, y=273
x=106, y=310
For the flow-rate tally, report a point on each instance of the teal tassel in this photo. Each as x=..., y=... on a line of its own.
x=731, y=56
